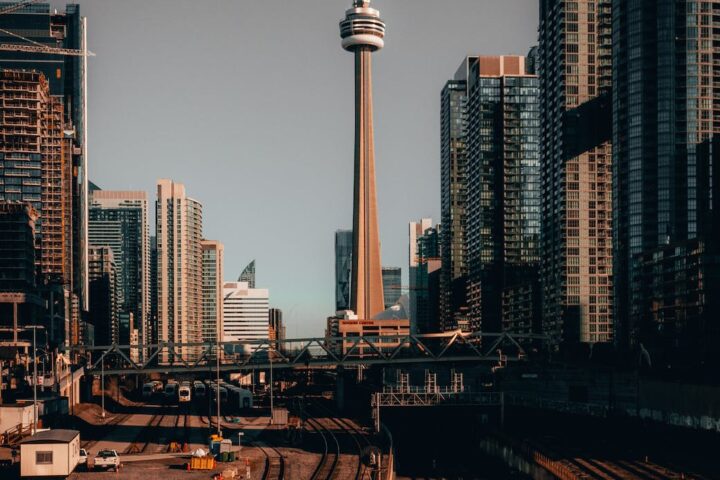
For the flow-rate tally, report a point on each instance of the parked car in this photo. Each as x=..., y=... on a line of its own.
x=82, y=461
x=107, y=459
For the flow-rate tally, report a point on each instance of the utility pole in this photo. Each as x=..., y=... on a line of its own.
x=271, y=386
x=35, y=409
x=217, y=389
x=102, y=385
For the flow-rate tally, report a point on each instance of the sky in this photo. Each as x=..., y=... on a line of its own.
x=249, y=103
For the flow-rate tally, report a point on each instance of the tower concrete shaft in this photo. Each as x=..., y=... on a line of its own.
x=362, y=32
x=367, y=289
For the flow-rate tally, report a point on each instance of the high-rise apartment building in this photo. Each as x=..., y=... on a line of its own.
x=343, y=268
x=415, y=231
x=666, y=117
x=103, y=295
x=38, y=166
x=245, y=313
x=392, y=285
x=179, y=267
x=502, y=205
x=66, y=76
x=212, y=290
x=575, y=71
x=119, y=220
x=248, y=274
x=453, y=194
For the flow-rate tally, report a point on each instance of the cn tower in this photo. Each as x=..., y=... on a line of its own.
x=362, y=33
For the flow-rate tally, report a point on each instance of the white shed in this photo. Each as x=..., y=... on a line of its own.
x=50, y=453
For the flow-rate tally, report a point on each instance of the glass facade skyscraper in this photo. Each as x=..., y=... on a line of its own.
x=453, y=193
x=66, y=76
x=392, y=285
x=503, y=190
x=343, y=268
x=118, y=219
x=574, y=64
x=665, y=114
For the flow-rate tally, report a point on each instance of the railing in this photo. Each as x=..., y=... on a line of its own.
x=319, y=352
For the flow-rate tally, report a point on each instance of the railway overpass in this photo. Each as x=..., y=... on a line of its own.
x=304, y=353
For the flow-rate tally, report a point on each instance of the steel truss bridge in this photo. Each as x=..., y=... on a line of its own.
x=303, y=353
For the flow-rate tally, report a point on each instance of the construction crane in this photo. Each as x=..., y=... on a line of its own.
x=33, y=46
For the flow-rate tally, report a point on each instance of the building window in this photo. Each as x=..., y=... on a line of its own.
x=43, y=458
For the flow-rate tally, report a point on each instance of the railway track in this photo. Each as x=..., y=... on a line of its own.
x=117, y=420
x=329, y=452
x=143, y=439
x=274, y=462
x=347, y=437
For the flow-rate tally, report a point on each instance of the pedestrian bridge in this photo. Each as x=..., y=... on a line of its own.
x=303, y=353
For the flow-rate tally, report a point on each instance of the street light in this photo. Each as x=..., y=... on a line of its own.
x=35, y=409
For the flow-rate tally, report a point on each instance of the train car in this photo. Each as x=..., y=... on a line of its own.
x=239, y=398
x=184, y=392
x=223, y=394
x=199, y=390
x=148, y=390
x=171, y=391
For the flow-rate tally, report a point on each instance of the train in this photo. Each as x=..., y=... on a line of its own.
x=151, y=388
x=184, y=392
x=199, y=389
x=238, y=397
x=171, y=390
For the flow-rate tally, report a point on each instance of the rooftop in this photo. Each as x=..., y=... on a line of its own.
x=53, y=436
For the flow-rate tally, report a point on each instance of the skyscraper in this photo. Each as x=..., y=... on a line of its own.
x=453, y=194
x=118, y=219
x=67, y=79
x=19, y=301
x=212, y=290
x=502, y=206
x=343, y=268
x=665, y=122
x=362, y=33
x=38, y=166
x=179, y=267
x=392, y=285
x=575, y=71
x=245, y=313
x=248, y=274
x=103, y=295
x=415, y=231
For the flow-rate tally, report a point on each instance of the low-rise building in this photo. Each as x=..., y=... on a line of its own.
x=51, y=453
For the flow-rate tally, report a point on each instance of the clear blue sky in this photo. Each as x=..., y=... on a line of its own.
x=250, y=104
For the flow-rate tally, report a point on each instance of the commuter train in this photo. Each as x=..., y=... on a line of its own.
x=198, y=390
x=239, y=398
x=184, y=393
x=151, y=388
x=171, y=390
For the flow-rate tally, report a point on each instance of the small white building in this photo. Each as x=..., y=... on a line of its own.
x=51, y=453
x=16, y=415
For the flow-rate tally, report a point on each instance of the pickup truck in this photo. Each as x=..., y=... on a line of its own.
x=83, y=459
x=107, y=459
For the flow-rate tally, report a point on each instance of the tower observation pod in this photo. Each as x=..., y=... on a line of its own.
x=362, y=32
